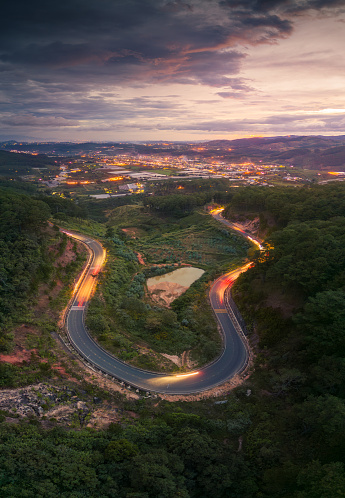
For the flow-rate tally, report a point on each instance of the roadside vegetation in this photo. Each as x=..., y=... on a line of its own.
x=36, y=279
x=280, y=434
x=293, y=302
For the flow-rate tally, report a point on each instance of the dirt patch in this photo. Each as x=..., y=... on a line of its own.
x=21, y=334
x=102, y=418
x=130, y=232
x=164, y=293
x=252, y=224
x=186, y=360
x=174, y=358
x=140, y=258
x=19, y=356
x=69, y=254
x=133, y=232
x=158, y=362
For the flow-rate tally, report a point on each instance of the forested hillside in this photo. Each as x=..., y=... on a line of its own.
x=293, y=301
x=16, y=165
x=278, y=206
x=23, y=262
x=281, y=434
x=37, y=267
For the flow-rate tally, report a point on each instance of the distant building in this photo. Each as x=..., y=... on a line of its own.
x=132, y=186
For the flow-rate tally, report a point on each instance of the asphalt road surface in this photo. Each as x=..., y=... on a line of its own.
x=255, y=240
x=232, y=360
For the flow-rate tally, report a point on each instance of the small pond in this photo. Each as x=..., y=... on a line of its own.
x=182, y=276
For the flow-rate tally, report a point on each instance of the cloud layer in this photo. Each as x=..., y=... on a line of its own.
x=88, y=63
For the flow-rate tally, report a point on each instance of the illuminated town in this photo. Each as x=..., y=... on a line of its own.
x=103, y=170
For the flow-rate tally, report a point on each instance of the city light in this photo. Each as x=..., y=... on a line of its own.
x=114, y=179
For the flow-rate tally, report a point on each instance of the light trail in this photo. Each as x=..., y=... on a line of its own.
x=255, y=242
x=188, y=374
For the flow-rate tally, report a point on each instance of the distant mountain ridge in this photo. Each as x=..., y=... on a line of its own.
x=309, y=152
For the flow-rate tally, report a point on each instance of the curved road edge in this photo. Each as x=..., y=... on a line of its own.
x=232, y=361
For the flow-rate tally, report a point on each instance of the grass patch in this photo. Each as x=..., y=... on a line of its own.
x=165, y=171
x=194, y=239
x=89, y=227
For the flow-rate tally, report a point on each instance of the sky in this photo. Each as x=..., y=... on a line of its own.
x=173, y=70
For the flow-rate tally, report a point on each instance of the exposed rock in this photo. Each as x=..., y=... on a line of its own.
x=58, y=405
x=37, y=409
x=81, y=405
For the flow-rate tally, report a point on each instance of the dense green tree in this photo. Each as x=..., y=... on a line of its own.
x=23, y=257
x=322, y=481
x=323, y=324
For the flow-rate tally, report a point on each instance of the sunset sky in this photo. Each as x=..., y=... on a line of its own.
x=171, y=70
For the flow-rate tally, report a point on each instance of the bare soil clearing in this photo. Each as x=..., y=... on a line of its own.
x=174, y=358
x=165, y=293
x=140, y=258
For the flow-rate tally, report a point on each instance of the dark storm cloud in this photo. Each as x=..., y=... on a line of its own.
x=126, y=34
x=282, y=6
x=53, y=54
x=279, y=26
x=316, y=5
x=177, y=6
x=127, y=39
x=255, y=5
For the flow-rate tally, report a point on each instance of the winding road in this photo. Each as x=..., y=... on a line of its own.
x=232, y=360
